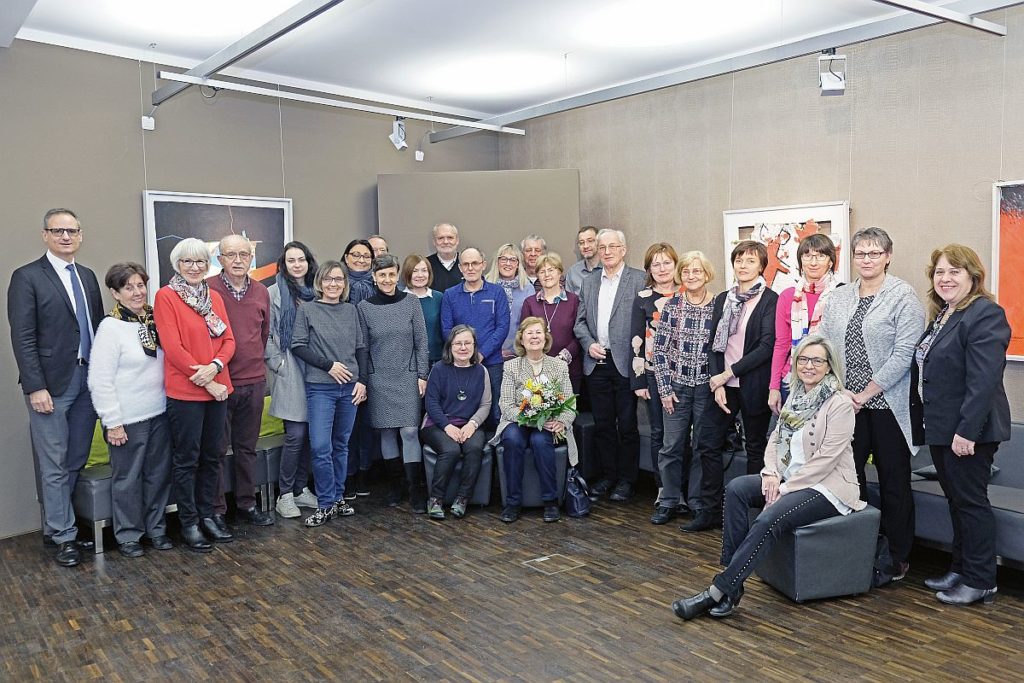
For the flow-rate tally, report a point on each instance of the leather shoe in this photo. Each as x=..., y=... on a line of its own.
x=221, y=523
x=194, y=539
x=131, y=549
x=161, y=543
x=551, y=513
x=623, y=492
x=214, y=532
x=68, y=554
x=963, y=594
x=663, y=514
x=85, y=545
x=256, y=517
x=703, y=521
x=688, y=608
x=725, y=606
x=600, y=489
x=509, y=514
x=947, y=581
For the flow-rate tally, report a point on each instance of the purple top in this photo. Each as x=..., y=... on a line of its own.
x=561, y=317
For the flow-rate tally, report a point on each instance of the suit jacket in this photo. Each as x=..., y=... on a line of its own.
x=44, y=328
x=619, y=325
x=754, y=369
x=963, y=379
x=828, y=444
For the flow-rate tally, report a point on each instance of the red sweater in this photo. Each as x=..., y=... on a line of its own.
x=186, y=341
x=250, y=323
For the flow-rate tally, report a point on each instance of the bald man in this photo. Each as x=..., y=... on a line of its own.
x=248, y=306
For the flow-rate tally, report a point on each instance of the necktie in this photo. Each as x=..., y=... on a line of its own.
x=82, y=313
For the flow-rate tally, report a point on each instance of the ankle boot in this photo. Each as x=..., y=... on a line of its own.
x=393, y=468
x=417, y=487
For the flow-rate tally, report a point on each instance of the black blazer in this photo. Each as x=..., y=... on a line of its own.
x=754, y=369
x=963, y=380
x=44, y=329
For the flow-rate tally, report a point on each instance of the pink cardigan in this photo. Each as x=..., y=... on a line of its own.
x=784, y=333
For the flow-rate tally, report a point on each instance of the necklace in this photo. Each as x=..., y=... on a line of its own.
x=703, y=298
x=536, y=366
x=461, y=395
x=549, y=318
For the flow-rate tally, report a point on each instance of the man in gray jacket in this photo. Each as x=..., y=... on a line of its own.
x=603, y=328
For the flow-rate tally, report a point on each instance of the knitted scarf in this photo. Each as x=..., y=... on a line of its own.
x=801, y=407
x=800, y=323
x=147, y=326
x=731, y=313
x=199, y=300
x=289, y=305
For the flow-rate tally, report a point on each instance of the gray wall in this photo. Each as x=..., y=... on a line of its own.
x=930, y=120
x=70, y=136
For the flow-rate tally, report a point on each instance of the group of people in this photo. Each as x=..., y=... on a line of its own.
x=368, y=352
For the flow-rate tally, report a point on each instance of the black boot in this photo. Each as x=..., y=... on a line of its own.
x=417, y=487
x=393, y=469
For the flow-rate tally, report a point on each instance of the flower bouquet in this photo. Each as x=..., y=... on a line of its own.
x=543, y=400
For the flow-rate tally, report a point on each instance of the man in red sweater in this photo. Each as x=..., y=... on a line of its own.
x=248, y=307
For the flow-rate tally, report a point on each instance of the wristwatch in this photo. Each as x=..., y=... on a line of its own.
x=220, y=365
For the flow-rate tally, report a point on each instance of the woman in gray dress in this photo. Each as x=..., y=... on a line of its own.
x=396, y=340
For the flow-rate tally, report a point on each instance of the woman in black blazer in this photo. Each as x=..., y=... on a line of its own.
x=959, y=408
x=740, y=363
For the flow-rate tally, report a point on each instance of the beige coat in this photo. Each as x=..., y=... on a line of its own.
x=828, y=443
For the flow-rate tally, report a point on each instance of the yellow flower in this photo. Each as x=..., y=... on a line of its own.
x=536, y=400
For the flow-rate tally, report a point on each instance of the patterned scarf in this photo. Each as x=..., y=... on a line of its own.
x=199, y=300
x=147, y=326
x=289, y=305
x=801, y=407
x=800, y=325
x=509, y=286
x=731, y=313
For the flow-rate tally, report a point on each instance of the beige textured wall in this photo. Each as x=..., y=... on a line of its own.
x=930, y=120
x=70, y=136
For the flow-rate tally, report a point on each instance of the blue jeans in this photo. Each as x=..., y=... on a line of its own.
x=331, y=416
x=516, y=440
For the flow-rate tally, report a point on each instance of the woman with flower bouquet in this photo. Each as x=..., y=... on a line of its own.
x=537, y=410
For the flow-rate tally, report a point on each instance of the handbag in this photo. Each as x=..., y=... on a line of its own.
x=577, y=497
x=883, y=566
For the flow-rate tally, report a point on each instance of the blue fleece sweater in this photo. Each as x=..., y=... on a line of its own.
x=485, y=310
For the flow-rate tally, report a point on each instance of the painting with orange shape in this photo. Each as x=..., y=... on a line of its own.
x=1011, y=263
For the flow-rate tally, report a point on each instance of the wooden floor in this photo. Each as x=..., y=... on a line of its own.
x=387, y=595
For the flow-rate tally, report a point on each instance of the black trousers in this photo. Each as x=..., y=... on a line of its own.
x=197, y=437
x=714, y=426
x=878, y=434
x=964, y=480
x=448, y=455
x=615, y=431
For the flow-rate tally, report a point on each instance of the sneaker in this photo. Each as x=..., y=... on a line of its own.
x=434, y=509
x=459, y=507
x=350, y=488
x=363, y=483
x=319, y=517
x=306, y=499
x=342, y=509
x=286, y=506
x=551, y=513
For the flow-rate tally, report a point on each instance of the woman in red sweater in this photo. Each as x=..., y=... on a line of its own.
x=193, y=328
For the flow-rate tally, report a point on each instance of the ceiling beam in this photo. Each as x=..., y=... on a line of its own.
x=12, y=18
x=777, y=53
x=946, y=14
x=340, y=104
x=245, y=46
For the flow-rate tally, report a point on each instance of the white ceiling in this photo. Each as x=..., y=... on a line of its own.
x=470, y=57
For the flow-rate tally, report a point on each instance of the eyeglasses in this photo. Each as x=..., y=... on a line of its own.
x=868, y=255
x=687, y=272
x=548, y=271
x=333, y=281
x=237, y=256
x=815, y=362
x=462, y=344
x=57, y=232
x=359, y=257
x=609, y=247
x=472, y=264
x=189, y=263
x=507, y=259
x=815, y=258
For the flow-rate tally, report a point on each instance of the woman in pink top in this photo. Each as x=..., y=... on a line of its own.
x=801, y=308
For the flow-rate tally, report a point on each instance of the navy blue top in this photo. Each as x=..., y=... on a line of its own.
x=442, y=398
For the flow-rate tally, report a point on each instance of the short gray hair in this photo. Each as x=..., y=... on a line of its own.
x=57, y=212
x=433, y=230
x=612, y=231
x=190, y=248
x=385, y=261
x=532, y=237
x=835, y=361
x=876, y=235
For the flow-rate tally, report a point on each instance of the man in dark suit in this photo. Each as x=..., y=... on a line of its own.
x=54, y=307
x=603, y=328
x=444, y=263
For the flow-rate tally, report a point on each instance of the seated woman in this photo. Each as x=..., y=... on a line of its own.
x=808, y=476
x=458, y=401
x=532, y=342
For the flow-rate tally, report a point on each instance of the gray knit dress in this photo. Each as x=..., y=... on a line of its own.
x=396, y=340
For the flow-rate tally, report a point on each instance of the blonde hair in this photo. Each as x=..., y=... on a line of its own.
x=551, y=259
x=689, y=257
x=530, y=322
x=508, y=249
x=835, y=362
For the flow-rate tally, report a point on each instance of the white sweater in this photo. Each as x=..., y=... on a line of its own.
x=127, y=386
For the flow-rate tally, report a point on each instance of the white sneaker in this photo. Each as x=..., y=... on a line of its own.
x=286, y=506
x=306, y=499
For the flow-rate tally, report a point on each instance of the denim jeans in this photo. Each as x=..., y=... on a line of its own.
x=680, y=471
x=295, y=457
x=516, y=440
x=331, y=416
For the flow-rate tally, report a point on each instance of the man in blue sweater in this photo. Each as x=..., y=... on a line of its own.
x=483, y=306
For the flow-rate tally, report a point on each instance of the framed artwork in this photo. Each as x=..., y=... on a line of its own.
x=1008, y=258
x=173, y=216
x=780, y=229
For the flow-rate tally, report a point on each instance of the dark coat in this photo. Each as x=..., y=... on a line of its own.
x=963, y=380
x=754, y=369
x=44, y=329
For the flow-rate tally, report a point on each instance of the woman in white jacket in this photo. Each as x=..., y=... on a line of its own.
x=126, y=380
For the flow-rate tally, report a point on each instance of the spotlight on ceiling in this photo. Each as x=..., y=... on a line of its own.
x=397, y=136
x=832, y=72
